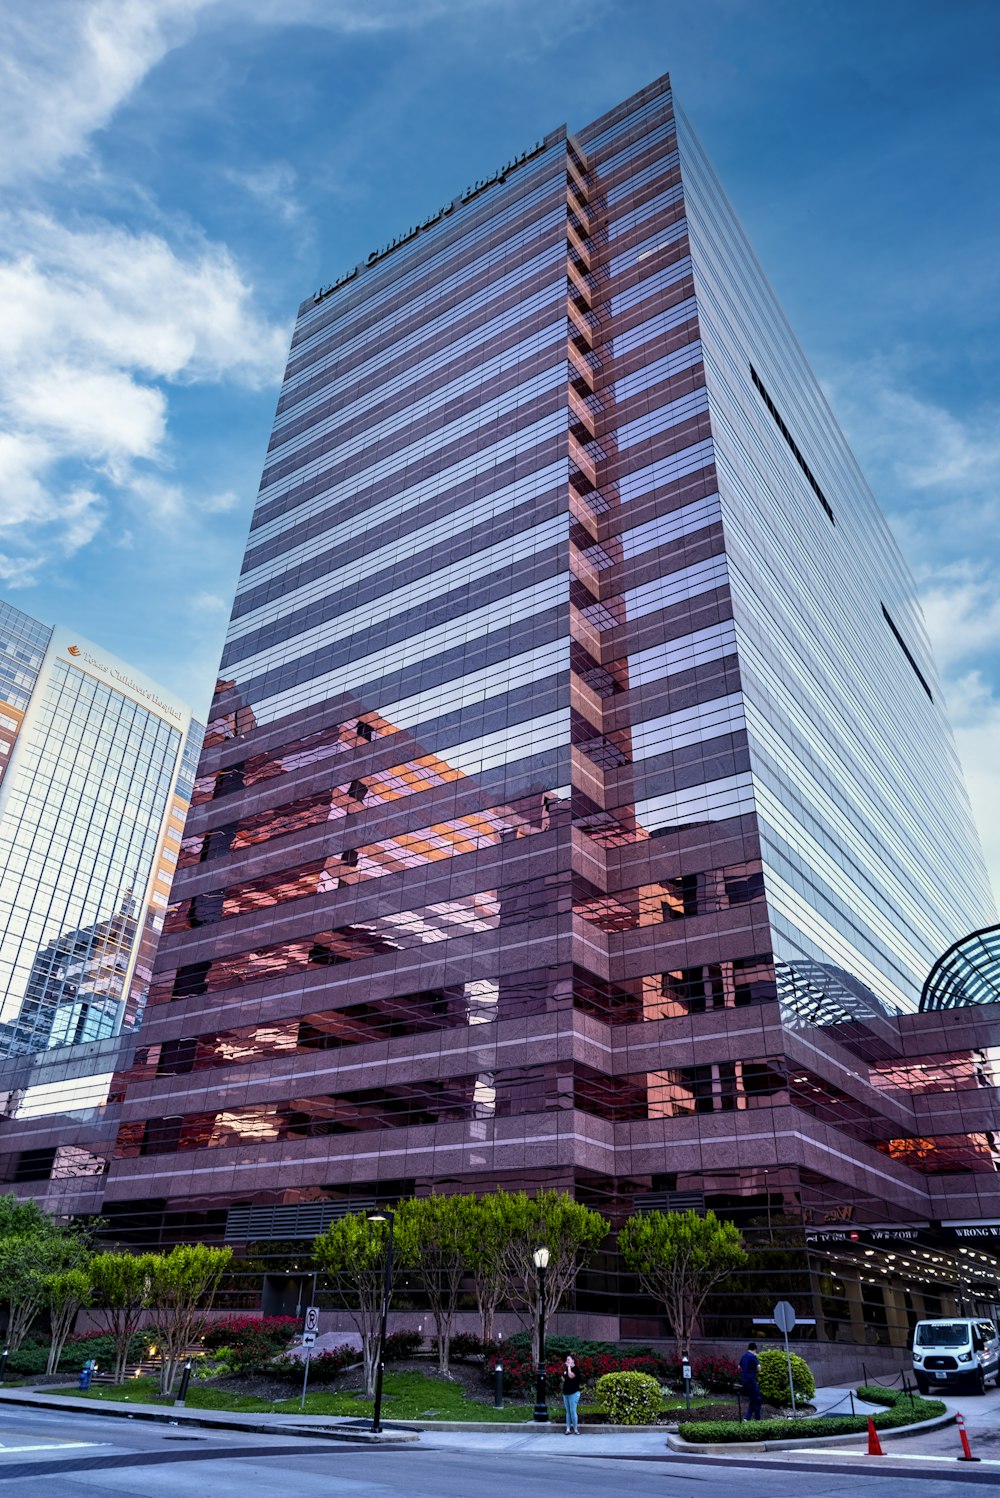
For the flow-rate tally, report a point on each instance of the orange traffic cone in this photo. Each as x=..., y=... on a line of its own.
x=966, y=1448
x=874, y=1444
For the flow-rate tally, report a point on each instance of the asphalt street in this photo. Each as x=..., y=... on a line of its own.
x=44, y=1453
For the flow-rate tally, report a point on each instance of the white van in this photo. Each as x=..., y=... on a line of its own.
x=960, y=1350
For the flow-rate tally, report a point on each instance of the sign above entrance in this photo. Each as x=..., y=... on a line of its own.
x=869, y=1235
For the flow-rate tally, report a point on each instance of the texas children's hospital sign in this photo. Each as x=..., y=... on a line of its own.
x=480, y=185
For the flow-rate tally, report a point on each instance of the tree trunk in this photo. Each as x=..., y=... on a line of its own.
x=442, y=1322
x=168, y=1374
x=61, y=1323
x=370, y=1351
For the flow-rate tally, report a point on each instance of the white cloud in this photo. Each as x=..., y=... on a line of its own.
x=273, y=185
x=67, y=65
x=99, y=322
x=209, y=603
x=962, y=607
x=937, y=472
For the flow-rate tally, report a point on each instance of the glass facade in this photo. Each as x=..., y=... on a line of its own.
x=82, y=813
x=577, y=806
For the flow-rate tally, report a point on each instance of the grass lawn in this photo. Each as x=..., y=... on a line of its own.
x=405, y=1396
x=147, y=1391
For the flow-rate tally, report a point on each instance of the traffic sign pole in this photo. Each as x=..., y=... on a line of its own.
x=784, y=1318
x=309, y=1333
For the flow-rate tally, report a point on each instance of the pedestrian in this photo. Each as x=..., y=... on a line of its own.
x=571, y=1395
x=749, y=1368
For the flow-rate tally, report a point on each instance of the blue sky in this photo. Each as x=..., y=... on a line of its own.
x=176, y=175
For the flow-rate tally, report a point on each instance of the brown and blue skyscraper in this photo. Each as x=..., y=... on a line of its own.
x=578, y=806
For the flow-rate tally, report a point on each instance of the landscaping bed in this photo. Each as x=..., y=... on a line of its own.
x=410, y=1392
x=901, y=1409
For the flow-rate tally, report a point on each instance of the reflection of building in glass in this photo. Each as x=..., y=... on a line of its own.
x=578, y=808
x=968, y=973
x=76, y=987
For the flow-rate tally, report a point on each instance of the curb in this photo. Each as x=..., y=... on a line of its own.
x=210, y=1419
x=708, y=1448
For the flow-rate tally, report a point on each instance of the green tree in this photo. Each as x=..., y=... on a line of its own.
x=485, y=1255
x=22, y=1218
x=433, y=1234
x=679, y=1258
x=121, y=1285
x=571, y=1232
x=352, y=1253
x=22, y=1284
x=66, y=1291
x=32, y=1247
x=182, y=1287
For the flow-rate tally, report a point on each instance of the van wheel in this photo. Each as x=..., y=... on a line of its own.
x=979, y=1383
x=922, y=1383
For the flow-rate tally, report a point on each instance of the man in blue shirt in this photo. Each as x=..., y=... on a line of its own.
x=749, y=1365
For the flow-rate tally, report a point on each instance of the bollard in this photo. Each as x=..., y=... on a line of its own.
x=498, y=1387
x=853, y=1410
x=3, y=1364
x=966, y=1448
x=185, y=1380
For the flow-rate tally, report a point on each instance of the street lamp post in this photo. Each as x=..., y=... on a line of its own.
x=390, y=1218
x=541, y=1258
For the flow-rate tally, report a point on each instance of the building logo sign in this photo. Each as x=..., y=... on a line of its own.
x=480, y=185
x=112, y=675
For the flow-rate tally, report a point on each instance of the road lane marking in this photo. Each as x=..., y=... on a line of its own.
x=53, y=1446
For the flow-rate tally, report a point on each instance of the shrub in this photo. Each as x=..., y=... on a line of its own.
x=629, y=1398
x=519, y=1370
x=30, y=1359
x=716, y=1373
x=101, y=1349
x=323, y=1366
x=904, y=1410
x=465, y=1346
x=250, y=1342
x=580, y=1347
x=773, y=1377
x=400, y=1345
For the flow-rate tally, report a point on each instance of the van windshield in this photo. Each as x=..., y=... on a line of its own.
x=943, y=1334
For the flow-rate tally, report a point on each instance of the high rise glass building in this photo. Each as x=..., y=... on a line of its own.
x=579, y=806
x=92, y=806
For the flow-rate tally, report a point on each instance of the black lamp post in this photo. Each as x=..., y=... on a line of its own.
x=390, y=1218
x=541, y=1258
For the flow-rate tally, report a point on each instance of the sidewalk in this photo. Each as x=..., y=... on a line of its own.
x=594, y=1440
x=330, y=1427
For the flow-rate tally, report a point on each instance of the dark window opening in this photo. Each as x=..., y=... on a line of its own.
x=769, y=403
x=906, y=651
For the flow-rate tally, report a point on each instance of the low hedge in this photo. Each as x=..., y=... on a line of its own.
x=903, y=1409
